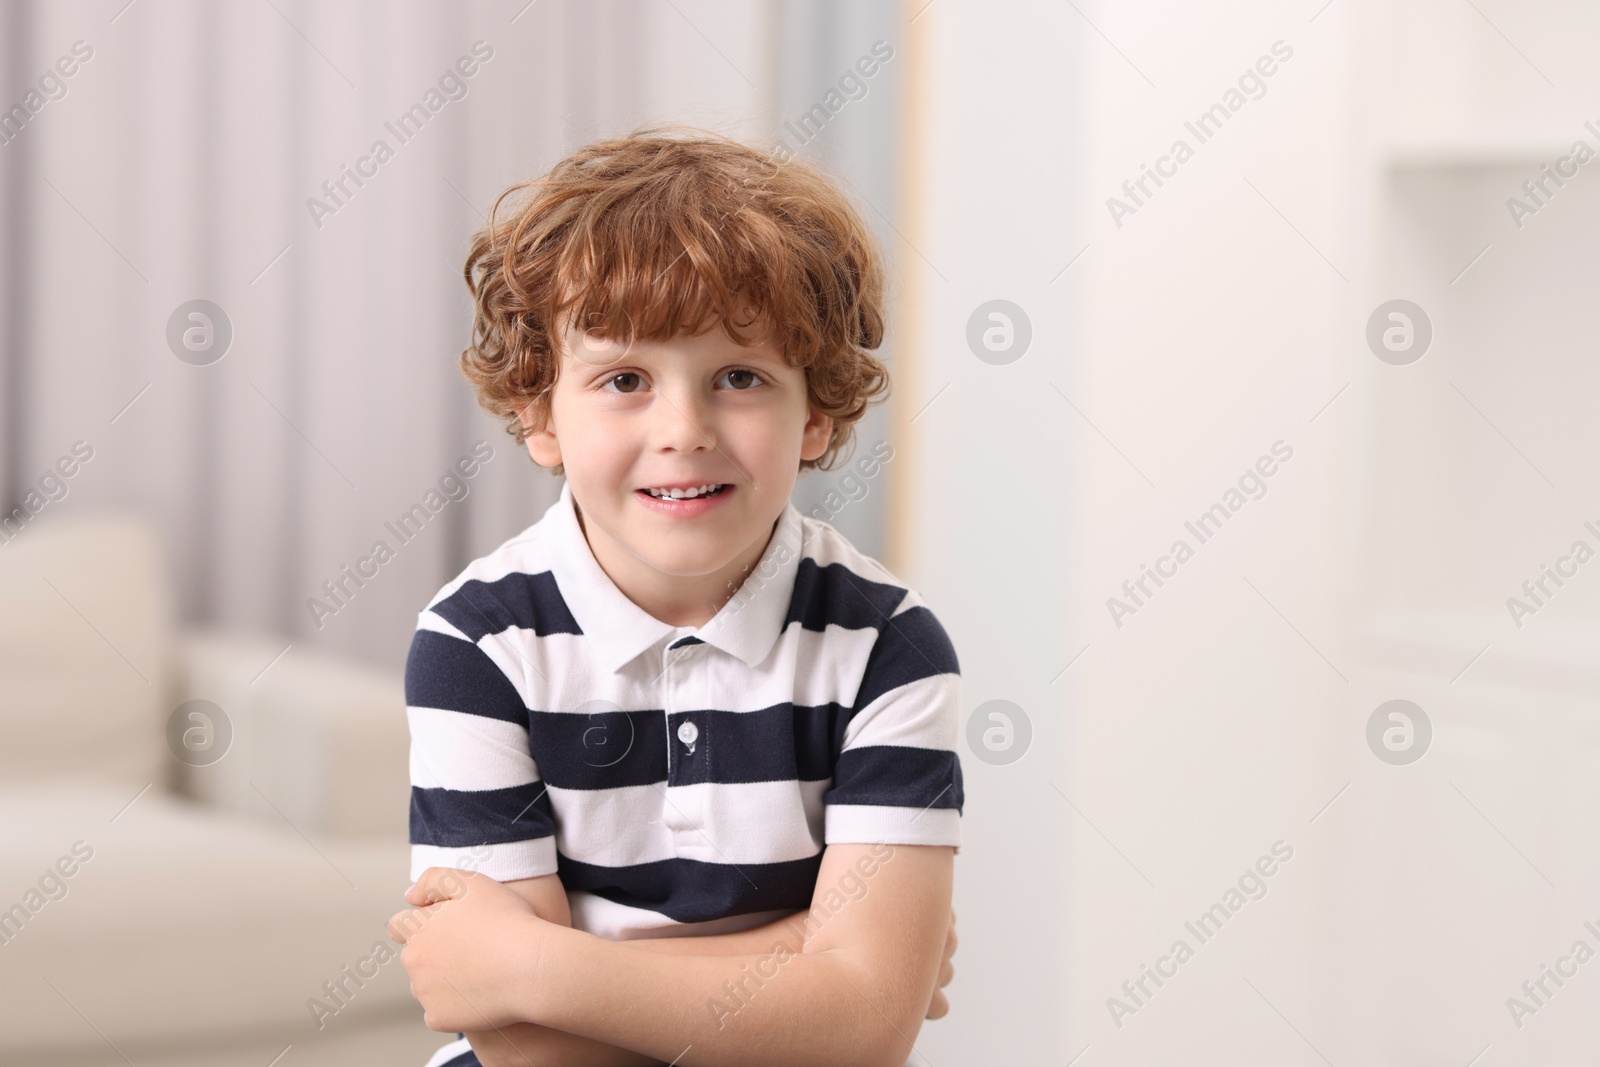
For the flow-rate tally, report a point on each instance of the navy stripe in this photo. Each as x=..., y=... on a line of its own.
x=456, y=818
x=620, y=748
x=531, y=601
x=600, y=751
x=455, y=675
x=897, y=776
x=836, y=595
x=689, y=891
x=911, y=647
x=466, y=1059
x=781, y=743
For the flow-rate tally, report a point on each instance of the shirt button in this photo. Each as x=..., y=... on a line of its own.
x=687, y=732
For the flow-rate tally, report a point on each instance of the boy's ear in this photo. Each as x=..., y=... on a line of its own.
x=541, y=440
x=817, y=433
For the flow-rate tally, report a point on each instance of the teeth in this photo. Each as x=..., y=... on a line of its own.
x=684, y=494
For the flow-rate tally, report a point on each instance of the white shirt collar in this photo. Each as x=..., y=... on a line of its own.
x=746, y=627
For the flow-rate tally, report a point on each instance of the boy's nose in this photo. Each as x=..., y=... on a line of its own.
x=680, y=422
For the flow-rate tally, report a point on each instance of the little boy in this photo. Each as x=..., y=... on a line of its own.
x=684, y=778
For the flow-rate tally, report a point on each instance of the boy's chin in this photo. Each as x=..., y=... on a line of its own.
x=683, y=565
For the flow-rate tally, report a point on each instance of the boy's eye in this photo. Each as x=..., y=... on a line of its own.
x=741, y=379
x=631, y=382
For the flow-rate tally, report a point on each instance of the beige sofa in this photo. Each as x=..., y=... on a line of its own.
x=160, y=913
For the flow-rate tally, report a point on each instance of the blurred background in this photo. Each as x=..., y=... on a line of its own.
x=1242, y=439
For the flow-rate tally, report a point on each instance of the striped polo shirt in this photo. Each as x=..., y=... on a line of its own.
x=680, y=781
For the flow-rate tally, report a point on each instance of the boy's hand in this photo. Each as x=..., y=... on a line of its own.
x=938, y=1007
x=525, y=1044
x=469, y=943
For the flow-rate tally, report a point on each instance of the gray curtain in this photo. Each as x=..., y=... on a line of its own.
x=185, y=159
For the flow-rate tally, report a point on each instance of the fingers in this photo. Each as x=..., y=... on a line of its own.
x=405, y=923
x=939, y=1004
x=438, y=884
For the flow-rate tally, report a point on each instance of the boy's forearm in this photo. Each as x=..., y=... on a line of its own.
x=756, y=941
x=777, y=1008
x=525, y=1044
x=517, y=1045
x=522, y=1044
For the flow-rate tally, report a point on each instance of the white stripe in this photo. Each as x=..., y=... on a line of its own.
x=605, y=918
x=714, y=822
x=807, y=668
x=506, y=862
x=909, y=601
x=870, y=823
x=458, y=750
x=565, y=676
x=812, y=669
x=469, y=752
x=526, y=553
x=429, y=620
x=826, y=545
x=515, y=651
x=557, y=673
x=925, y=713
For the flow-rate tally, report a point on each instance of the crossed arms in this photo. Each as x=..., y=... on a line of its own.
x=847, y=982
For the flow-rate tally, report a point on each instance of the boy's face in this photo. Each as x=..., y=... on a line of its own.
x=631, y=422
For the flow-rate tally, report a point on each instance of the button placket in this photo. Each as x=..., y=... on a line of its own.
x=672, y=701
x=688, y=733
x=683, y=816
x=669, y=693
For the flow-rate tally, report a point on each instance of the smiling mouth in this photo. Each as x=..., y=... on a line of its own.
x=694, y=493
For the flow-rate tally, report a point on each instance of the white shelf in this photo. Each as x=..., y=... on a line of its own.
x=1478, y=152
x=1540, y=657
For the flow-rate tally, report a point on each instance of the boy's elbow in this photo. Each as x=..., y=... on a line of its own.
x=546, y=896
x=892, y=1042
x=889, y=1030
x=887, y=1046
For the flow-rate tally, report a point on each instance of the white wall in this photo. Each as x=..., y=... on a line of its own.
x=1227, y=313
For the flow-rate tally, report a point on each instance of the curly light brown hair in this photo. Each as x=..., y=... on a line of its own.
x=668, y=231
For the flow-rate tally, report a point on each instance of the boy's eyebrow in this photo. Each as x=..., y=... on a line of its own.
x=731, y=352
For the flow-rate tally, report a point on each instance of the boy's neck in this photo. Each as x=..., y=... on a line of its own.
x=673, y=599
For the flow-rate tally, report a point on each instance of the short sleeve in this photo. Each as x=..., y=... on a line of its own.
x=897, y=779
x=477, y=800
